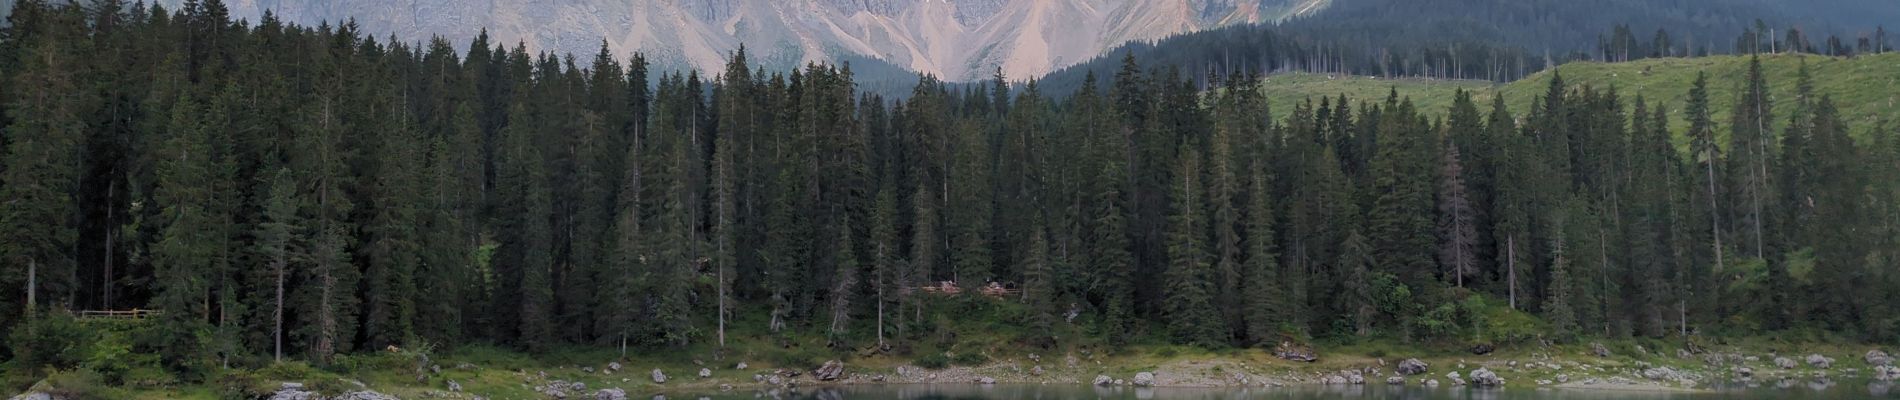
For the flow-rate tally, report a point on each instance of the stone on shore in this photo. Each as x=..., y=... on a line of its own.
x=610, y=394
x=1784, y=363
x=1485, y=378
x=1294, y=352
x=1819, y=361
x=658, y=376
x=1599, y=350
x=1104, y=380
x=1144, y=378
x=1412, y=366
x=831, y=371
x=705, y=373
x=1394, y=380
x=1877, y=357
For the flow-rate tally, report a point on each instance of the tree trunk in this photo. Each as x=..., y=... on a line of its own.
x=32, y=285
x=277, y=328
x=1510, y=257
x=105, y=283
x=1715, y=218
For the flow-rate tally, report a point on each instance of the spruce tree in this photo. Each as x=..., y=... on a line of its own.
x=524, y=257
x=1190, y=290
x=1266, y=307
x=38, y=174
x=1457, y=234
x=183, y=259
x=277, y=245
x=844, y=284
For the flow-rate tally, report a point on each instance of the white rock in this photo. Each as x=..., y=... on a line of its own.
x=1819, y=361
x=658, y=377
x=705, y=373
x=1144, y=378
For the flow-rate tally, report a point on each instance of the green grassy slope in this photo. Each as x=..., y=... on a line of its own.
x=1866, y=89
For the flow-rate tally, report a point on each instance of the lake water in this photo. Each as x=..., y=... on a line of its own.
x=1853, y=390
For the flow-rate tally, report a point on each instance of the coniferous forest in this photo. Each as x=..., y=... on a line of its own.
x=283, y=192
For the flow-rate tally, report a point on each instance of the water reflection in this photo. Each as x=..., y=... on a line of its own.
x=1812, y=388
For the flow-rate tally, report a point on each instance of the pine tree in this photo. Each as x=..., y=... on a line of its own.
x=1704, y=153
x=1356, y=262
x=1557, y=308
x=923, y=247
x=844, y=284
x=970, y=219
x=1039, y=289
x=276, y=245
x=1748, y=159
x=524, y=257
x=38, y=174
x=1457, y=234
x=1266, y=307
x=886, y=271
x=1402, y=208
x=1224, y=220
x=183, y=259
x=393, y=242
x=1189, y=307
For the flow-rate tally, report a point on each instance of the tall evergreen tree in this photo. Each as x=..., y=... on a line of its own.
x=1190, y=307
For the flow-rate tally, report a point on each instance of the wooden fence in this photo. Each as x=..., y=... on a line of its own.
x=133, y=314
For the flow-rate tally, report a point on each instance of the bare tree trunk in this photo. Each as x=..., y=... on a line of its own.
x=277, y=328
x=722, y=304
x=1510, y=257
x=32, y=284
x=105, y=283
x=1715, y=218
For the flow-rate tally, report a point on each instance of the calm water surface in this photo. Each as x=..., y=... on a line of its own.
x=1851, y=390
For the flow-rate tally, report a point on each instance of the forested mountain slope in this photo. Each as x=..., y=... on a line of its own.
x=313, y=194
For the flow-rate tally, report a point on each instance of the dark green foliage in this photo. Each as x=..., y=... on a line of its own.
x=310, y=193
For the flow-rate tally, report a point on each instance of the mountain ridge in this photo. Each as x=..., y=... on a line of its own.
x=955, y=40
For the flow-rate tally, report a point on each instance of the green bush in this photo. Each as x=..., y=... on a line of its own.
x=240, y=384
x=969, y=358
x=933, y=361
x=52, y=340
x=149, y=377
x=73, y=384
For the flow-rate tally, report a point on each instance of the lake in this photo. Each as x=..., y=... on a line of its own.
x=1851, y=390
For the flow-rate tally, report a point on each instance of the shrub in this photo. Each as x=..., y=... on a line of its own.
x=933, y=361
x=969, y=359
x=149, y=377
x=73, y=384
x=50, y=340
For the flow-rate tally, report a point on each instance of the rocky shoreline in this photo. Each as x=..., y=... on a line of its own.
x=1599, y=370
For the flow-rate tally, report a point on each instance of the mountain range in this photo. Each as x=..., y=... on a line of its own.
x=952, y=39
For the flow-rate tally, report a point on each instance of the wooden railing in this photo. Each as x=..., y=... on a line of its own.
x=134, y=314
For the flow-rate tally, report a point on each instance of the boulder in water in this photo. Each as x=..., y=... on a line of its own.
x=1485, y=378
x=1144, y=378
x=610, y=394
